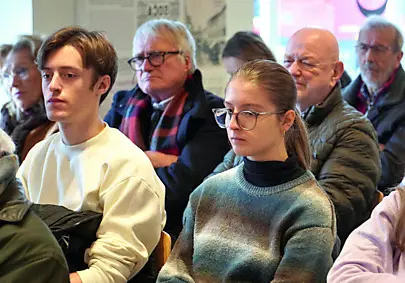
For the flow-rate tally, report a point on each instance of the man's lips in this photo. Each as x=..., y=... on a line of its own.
x=55, y=100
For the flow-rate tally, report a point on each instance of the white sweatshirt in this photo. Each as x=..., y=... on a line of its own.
x=107, y=174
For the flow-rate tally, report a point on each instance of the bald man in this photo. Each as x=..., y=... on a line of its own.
x=344, y=143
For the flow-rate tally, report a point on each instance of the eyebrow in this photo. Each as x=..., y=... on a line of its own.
x=247, y=105
x=62, y=68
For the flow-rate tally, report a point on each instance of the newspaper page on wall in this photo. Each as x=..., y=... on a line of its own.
x=206, y=20
x=119, y=19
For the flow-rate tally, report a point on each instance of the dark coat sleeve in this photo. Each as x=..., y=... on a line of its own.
x=350, y=175
x=118, y=107
x=205, y=147
x=393, y=159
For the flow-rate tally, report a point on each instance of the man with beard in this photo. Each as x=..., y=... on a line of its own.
x=379, y=93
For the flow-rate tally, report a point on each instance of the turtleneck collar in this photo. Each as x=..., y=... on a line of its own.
x=271, y=173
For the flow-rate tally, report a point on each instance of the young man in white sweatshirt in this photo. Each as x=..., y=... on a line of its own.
x=90, y=166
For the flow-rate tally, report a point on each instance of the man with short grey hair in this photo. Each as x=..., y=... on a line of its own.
x=379, y=93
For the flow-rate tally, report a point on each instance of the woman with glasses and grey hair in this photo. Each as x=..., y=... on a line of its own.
x=24, y=116
x=168, y=113
x=266, y=220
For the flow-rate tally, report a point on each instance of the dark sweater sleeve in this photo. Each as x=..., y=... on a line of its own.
x=307, y=256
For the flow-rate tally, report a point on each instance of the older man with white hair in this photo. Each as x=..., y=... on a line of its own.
x=379, y=93
x=28, y=249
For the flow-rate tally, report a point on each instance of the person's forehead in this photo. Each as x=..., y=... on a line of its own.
x=19, y=57
x=304, y=48
x=65, y=56
x=384, y=36
x=152, y=43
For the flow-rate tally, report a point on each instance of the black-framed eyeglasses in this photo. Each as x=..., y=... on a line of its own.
x=156, y=59
x=246, y=119
x=378, y=49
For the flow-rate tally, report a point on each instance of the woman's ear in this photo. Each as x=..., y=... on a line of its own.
x=288, y=120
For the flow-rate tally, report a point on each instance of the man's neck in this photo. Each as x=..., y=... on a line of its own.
x=76, y=133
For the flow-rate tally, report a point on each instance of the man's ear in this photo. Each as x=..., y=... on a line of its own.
x=102, y=85
x=338, y=69
x=189, y=65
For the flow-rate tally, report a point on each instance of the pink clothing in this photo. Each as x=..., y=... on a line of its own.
x=370, y=254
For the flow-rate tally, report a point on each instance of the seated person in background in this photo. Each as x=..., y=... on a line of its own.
x=90, y=166
x=266, y=220
x=4, y=50
x=24, y=117
x=168, y=113
x=28, y=249
x=345, y=155
x=242, y=47
x=379, y=93
x=375, y=251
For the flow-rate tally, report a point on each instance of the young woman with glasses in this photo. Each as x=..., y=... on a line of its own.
x=266, y=220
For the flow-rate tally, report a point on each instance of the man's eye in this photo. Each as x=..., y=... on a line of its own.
x=287, y=62
x=46, y=76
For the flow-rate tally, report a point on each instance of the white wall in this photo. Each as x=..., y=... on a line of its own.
x=51, y=15
x=15, y=19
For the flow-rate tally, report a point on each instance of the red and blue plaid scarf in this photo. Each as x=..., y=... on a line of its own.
x=365, y=100
x=164, y=135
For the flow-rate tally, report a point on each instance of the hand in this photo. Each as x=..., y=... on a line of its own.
x=382, y=146
x=159, y=159
x=75, y=278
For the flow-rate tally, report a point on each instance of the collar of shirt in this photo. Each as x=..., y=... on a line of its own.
x=162, y=104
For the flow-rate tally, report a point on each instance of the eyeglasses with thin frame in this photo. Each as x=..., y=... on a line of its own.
x=378, y=49
x=246, y=119
x=156, y=59
x=22, y=73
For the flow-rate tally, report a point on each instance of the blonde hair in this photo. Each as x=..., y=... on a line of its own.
x=6, y=143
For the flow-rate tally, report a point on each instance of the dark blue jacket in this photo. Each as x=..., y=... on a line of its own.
x=388, y=118
x=201, y=142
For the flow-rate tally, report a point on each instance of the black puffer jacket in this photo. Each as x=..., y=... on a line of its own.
x=388, y=118
x=345, y=159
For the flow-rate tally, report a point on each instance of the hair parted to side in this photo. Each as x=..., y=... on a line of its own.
x=379, y=22
x=32, y=43
x=6, y=143
x=173, y=31
x=278, y=83
x=96, y=51
x=247, y=46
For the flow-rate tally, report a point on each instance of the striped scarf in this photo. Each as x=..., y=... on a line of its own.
x=163, y=138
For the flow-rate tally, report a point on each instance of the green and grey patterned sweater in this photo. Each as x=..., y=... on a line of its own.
x=236, y=232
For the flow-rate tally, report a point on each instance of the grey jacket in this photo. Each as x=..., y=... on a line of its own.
x=345, y=159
